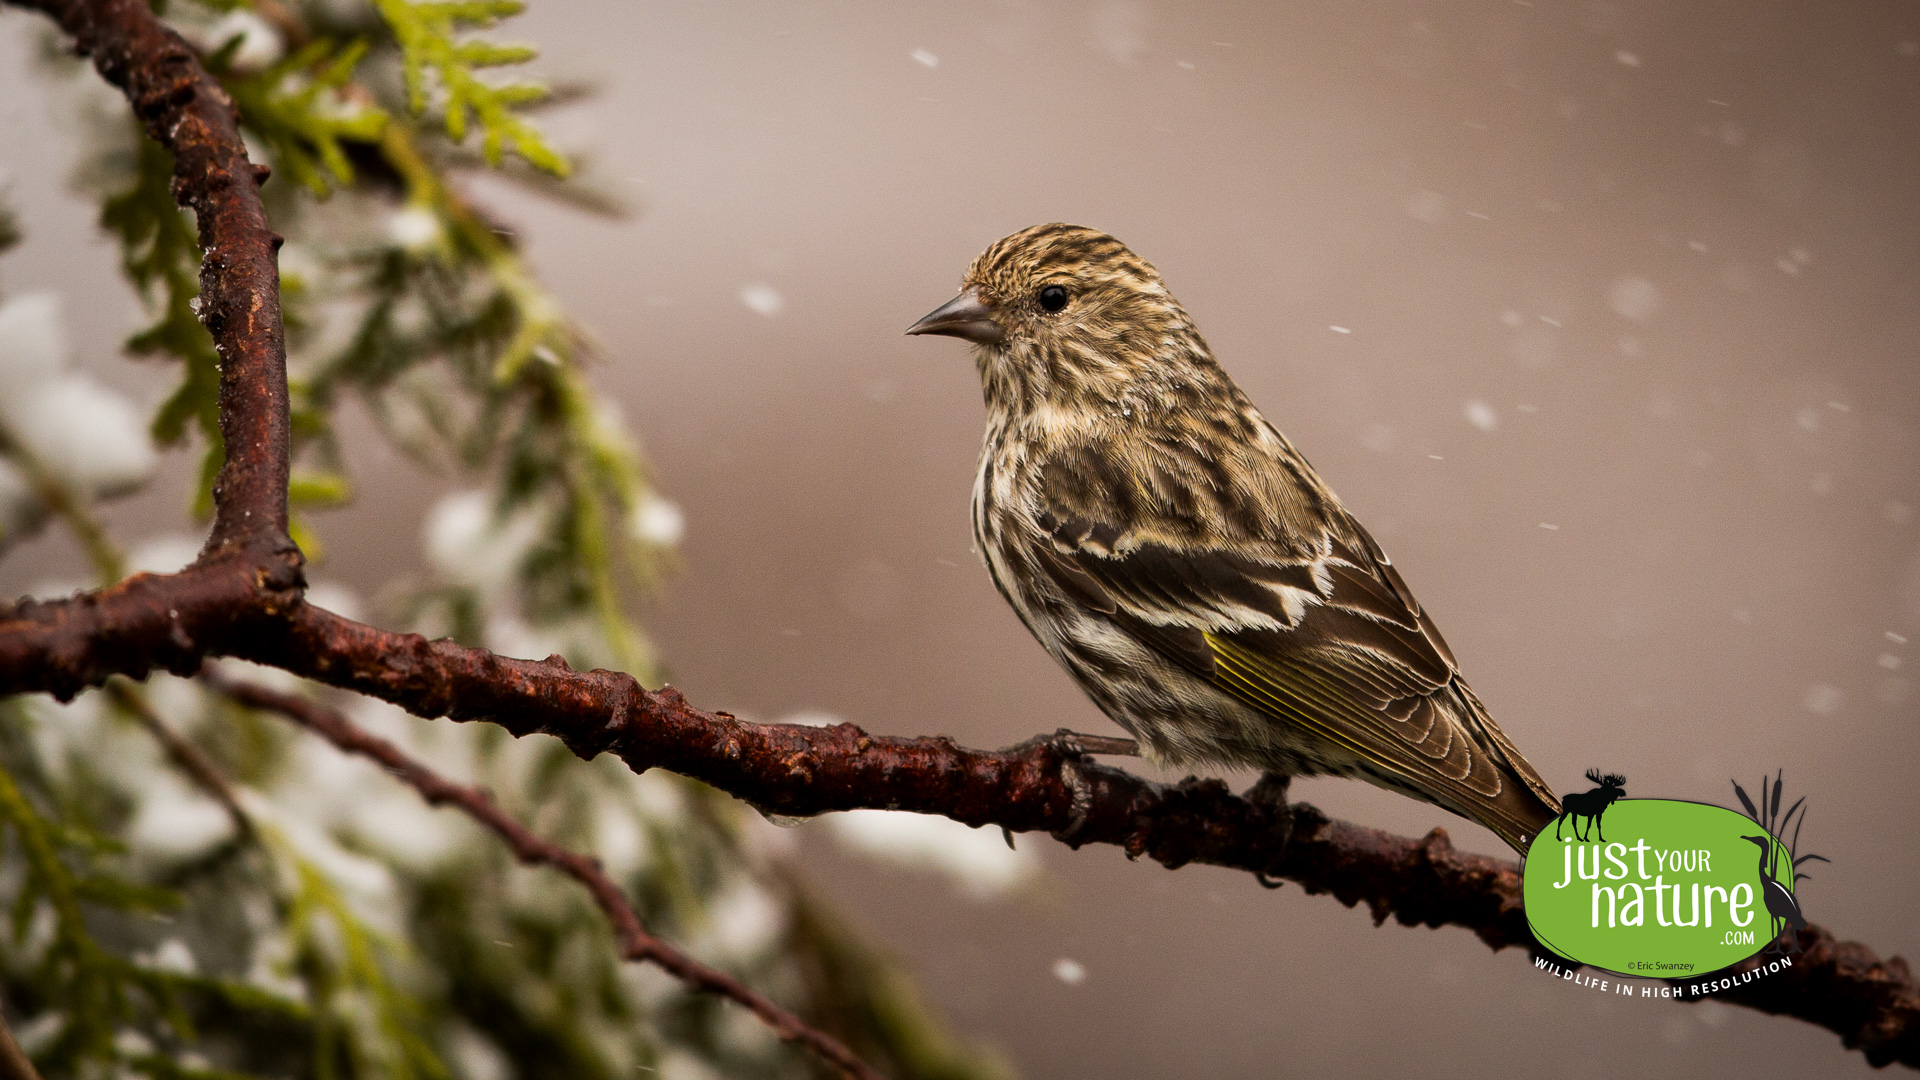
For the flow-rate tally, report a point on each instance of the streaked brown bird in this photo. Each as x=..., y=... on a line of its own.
x=1186, y=565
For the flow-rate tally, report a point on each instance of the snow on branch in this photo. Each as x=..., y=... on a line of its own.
x=636, y=943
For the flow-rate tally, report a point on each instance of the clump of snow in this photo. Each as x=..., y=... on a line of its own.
x=259, y=48
x=1071, y=972
x=132, y=1043
x=659, y=796
x=468, y=543
x=743, y=922
x=678, y=1065
x=89, y=437
x=414, y=228
x=377, y=812
x=476, y=1056
x=618, y=840
x=175, y=821
x=1481, y=415
x=163, y=554
x=365, y=883
x=173, y=955
x=85, y=434
x=33, y=339
x=658, y=521
x=925, y=58
x=575, y=637
x=978, y=860
x=336, y=597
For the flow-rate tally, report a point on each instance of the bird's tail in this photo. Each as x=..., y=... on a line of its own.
x=1525, y=804
x=1518, y=813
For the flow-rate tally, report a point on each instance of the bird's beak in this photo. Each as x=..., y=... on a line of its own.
x=964, y=316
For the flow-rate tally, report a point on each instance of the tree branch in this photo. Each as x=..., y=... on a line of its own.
x=148, y=621
x=1045, y=785
x=185, y=110
x=636, y=943
x=243, y=598
x=249, y=568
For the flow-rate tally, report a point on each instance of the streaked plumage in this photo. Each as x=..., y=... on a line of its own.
x=1186, y=565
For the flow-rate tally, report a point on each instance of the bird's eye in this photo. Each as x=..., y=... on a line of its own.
x=1053, y=298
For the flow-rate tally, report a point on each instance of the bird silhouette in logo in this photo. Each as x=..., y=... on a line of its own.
x=1781, y=904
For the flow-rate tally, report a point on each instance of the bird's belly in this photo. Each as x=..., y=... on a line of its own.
x=1180, y=718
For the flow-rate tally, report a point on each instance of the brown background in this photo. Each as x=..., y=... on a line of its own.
x=1465, y=187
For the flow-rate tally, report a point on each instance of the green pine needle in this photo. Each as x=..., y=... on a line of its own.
x=429, y=46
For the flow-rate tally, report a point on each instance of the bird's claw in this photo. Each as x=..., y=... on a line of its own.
x=1073, y=744
x=1271, y=792
x=1071, y=748
x=1082, y=795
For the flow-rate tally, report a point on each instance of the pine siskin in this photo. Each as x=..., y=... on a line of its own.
x=1182, y=560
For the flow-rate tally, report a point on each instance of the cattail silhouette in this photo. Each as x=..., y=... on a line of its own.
x=1781, y=904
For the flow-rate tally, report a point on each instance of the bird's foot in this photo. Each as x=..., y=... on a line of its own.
x=1271, y=792
x=1072, y=744
x=1072, y=749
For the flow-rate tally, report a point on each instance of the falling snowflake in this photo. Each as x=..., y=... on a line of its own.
x=763, y=300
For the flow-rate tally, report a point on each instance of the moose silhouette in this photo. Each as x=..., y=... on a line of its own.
x=1590, y=805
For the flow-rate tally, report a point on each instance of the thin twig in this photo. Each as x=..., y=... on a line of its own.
x=14, y=1064
x=63, y=503
x=191, y=759
x=636, y=943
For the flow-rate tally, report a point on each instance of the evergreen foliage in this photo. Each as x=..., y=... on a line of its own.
x=321, y=921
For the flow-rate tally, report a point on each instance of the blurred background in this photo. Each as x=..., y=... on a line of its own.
x=1602, y=316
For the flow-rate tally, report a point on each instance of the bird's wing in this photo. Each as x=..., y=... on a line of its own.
x=1320, y=633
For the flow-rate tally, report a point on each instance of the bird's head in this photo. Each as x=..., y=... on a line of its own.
x=1065, y=316
x=1766, y=843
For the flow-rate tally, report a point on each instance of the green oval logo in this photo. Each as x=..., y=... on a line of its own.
x=1659, y=889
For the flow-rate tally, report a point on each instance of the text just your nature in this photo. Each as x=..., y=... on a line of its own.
x=1626, y=904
